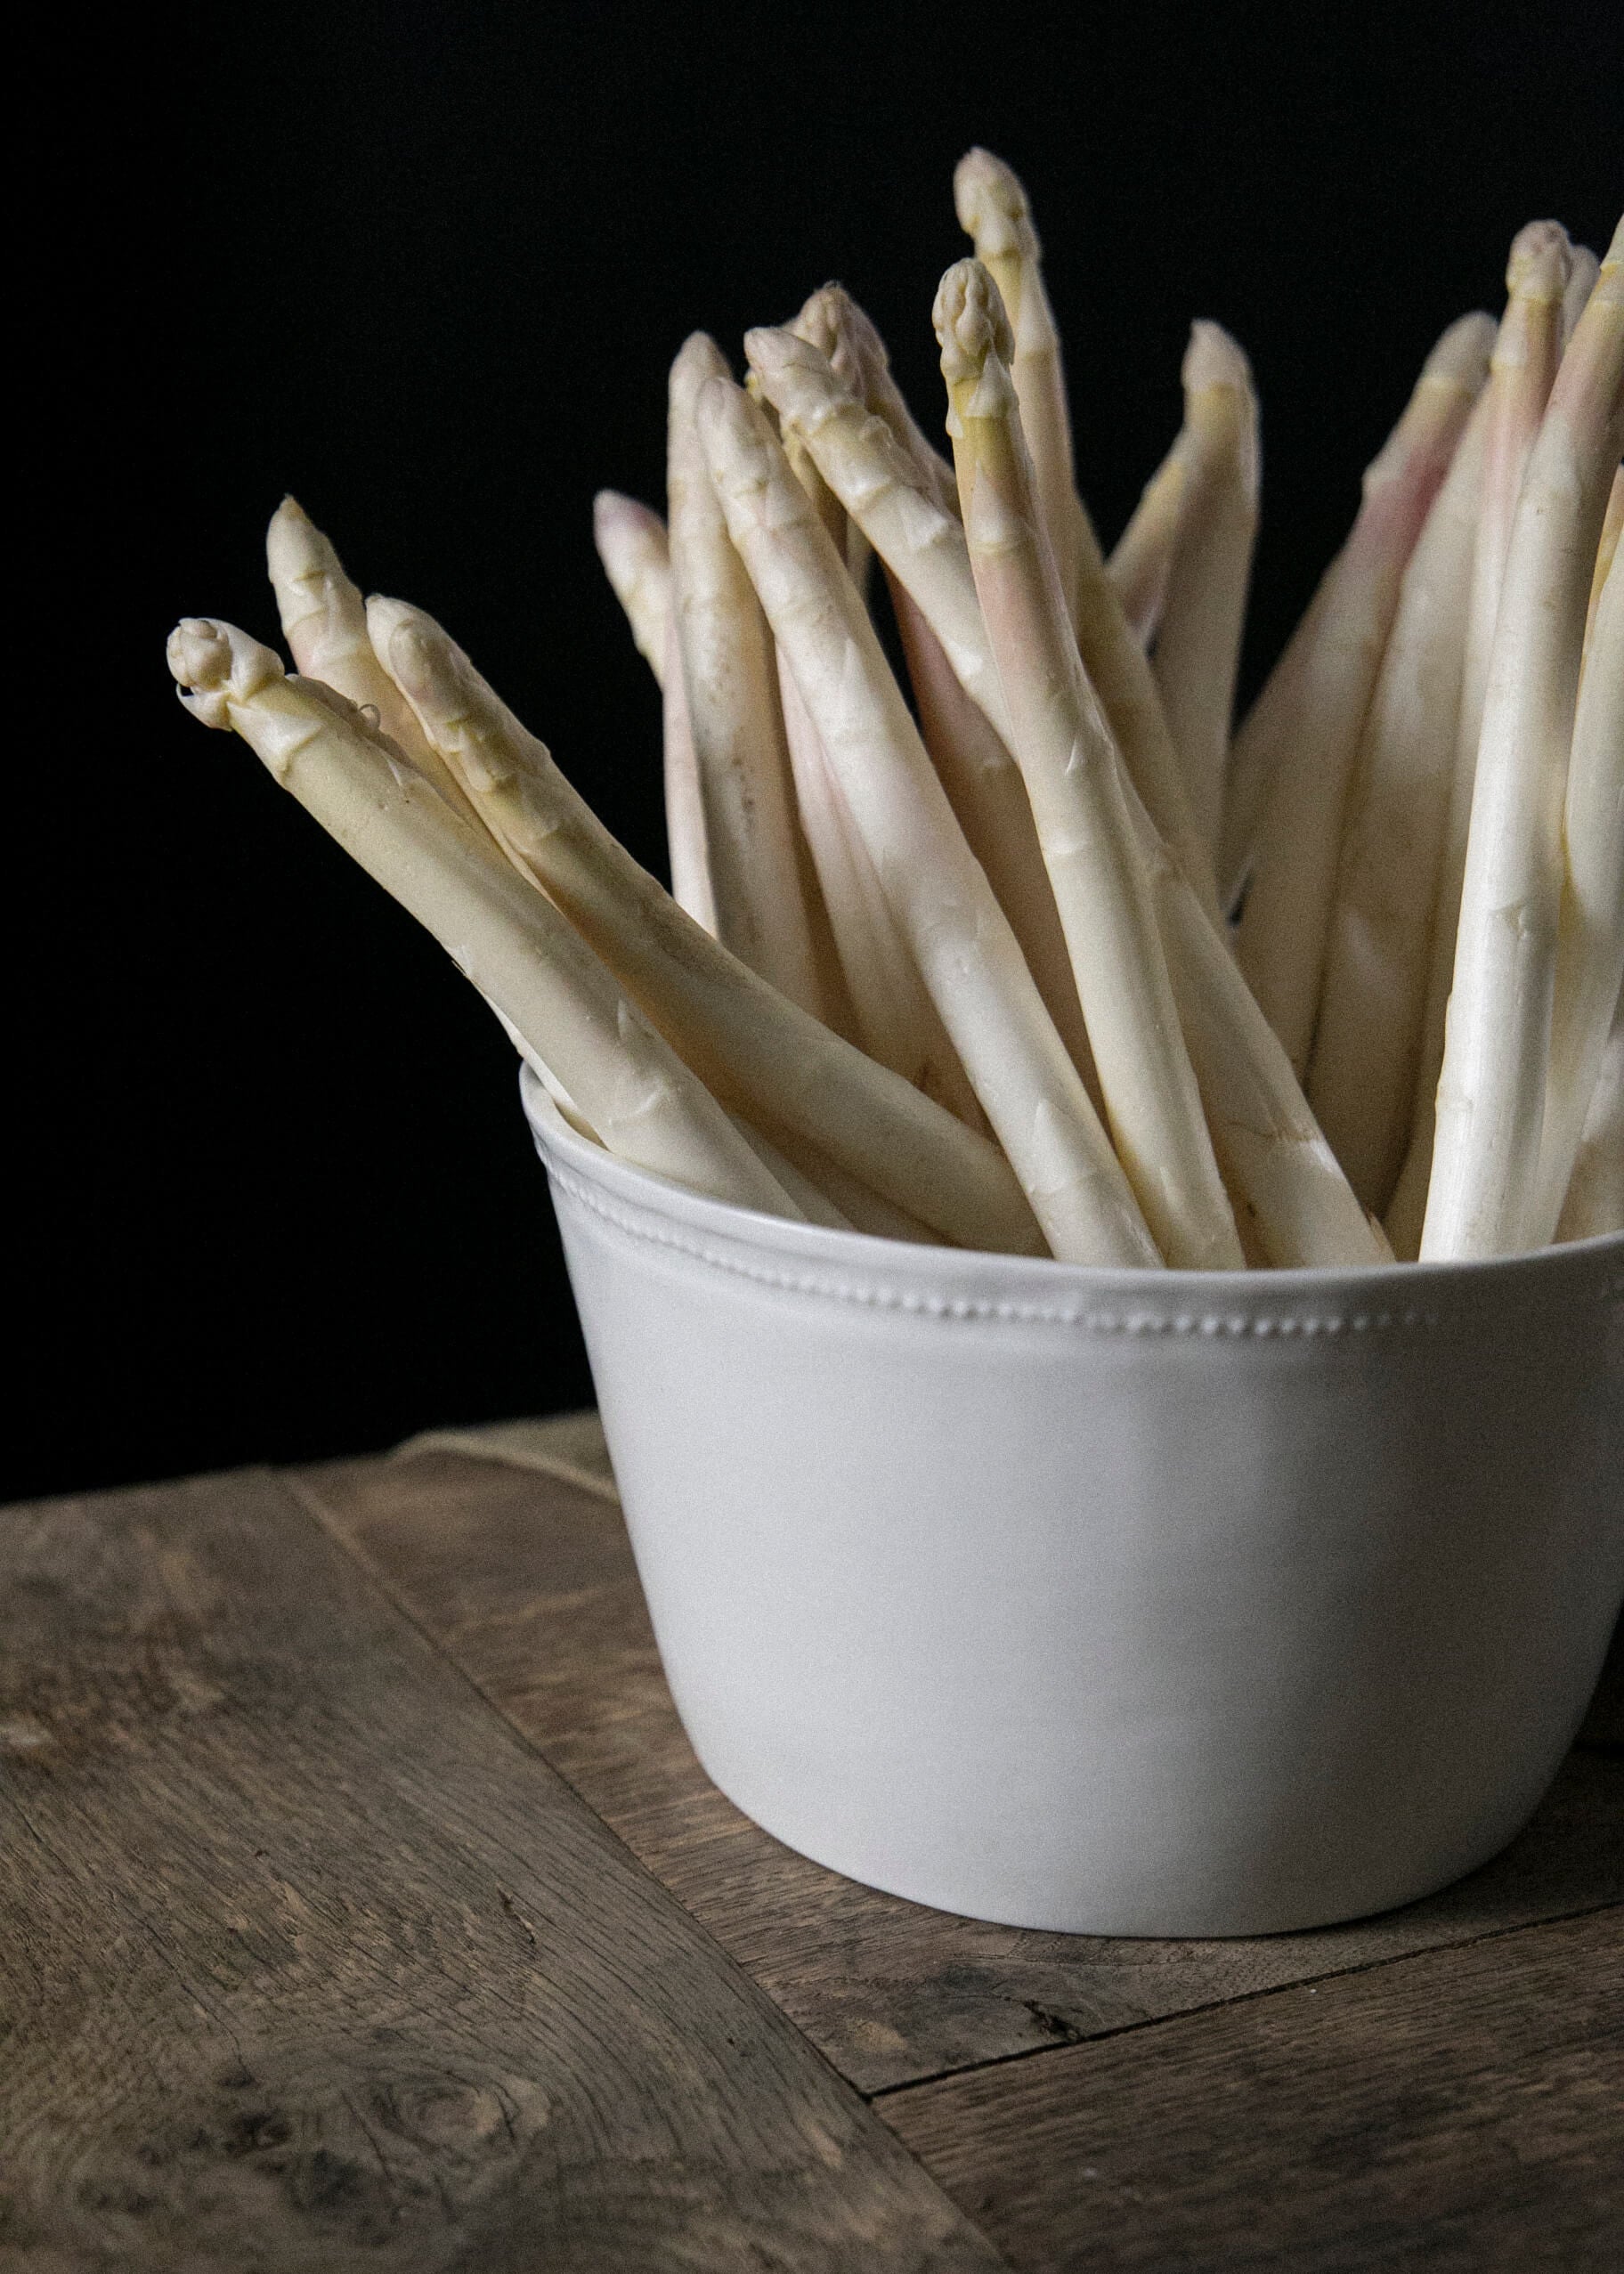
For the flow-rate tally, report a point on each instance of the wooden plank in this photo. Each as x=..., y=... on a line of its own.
x=311, y=1964
x=1460, y=2110
x=530, y=1585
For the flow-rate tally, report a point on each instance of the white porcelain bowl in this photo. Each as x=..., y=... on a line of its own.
x=1116, y=1602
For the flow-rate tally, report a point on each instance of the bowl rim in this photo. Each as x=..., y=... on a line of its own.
x=816, y=1258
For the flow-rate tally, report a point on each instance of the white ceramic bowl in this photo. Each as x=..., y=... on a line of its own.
x=1117, y=1601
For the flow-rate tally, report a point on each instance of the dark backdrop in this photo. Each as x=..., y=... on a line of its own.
x=425, y=266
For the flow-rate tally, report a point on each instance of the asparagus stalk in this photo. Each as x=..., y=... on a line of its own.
x=1605, y=553
x=1197, y=650
x=637, y=557
x=1069, y=762
x=891, y=498
x=1595, y=1192
x=1491, y=1089
x=987, y=793
x=982, y=780
x=1590, y=935
x=945, y=909
x=762, y=1055
x=896, y=1020
x=1368, y=1041
x=1583, y=269
x=324, y=621
x=636, y=554
x=823, y=321
x=740, y=754
x=1282, y=937
x=1142, y=565
x=860, y=363
x=1293, y=1206
x=923, y=548
x=1526, y=353
x=994, y=213
x=524, y=956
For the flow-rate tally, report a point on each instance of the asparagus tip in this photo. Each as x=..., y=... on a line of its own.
x=736, y=436
x=612, y=510
x=697, y=360
x=1461, y=356
x=991, y=207
x=397, y=632
x=215, y=664
x=1539, y=260
x=1215, y=358
x=298, y=556
x=971, y=323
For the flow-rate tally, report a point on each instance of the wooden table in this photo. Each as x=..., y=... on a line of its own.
x=365, y=1907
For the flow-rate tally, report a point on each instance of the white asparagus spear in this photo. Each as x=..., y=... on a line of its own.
x=523, y=956
x=987, y=792
x=982, y=780
x=1491, y=1091
x=1527, y=350
x=1605, y=553
x=1590, y=936
x=741, y=758
x=636, y=554
x=862, y=364
x=1292, y=1203
x=1583, y=269
x=1595, y=1192
x=324, y=621
x=939, y=895
x=761, y=1054
x=1279, y=1165
x=1367, y=1044
x=922, y=545
x=686, y=851
x=1274, y=730
x=896, y=1020
x=823, y=321
x=995, y=213
x=637, y=557
x=891, y=498
x=1281, y=943
x=1197, y=649
x=1063, y=745
x=1142, y=561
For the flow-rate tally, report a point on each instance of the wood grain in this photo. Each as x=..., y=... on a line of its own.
x=529, y=1585
x=307, y=1962
x=1458, y=2111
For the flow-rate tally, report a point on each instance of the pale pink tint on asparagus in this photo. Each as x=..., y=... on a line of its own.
x=1527, y=350
x=1368, y=1039
x=1282, y=936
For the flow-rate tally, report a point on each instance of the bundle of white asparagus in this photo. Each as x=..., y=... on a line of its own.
x=960, y=961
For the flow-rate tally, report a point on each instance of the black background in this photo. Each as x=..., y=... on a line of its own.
x=426, y=266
